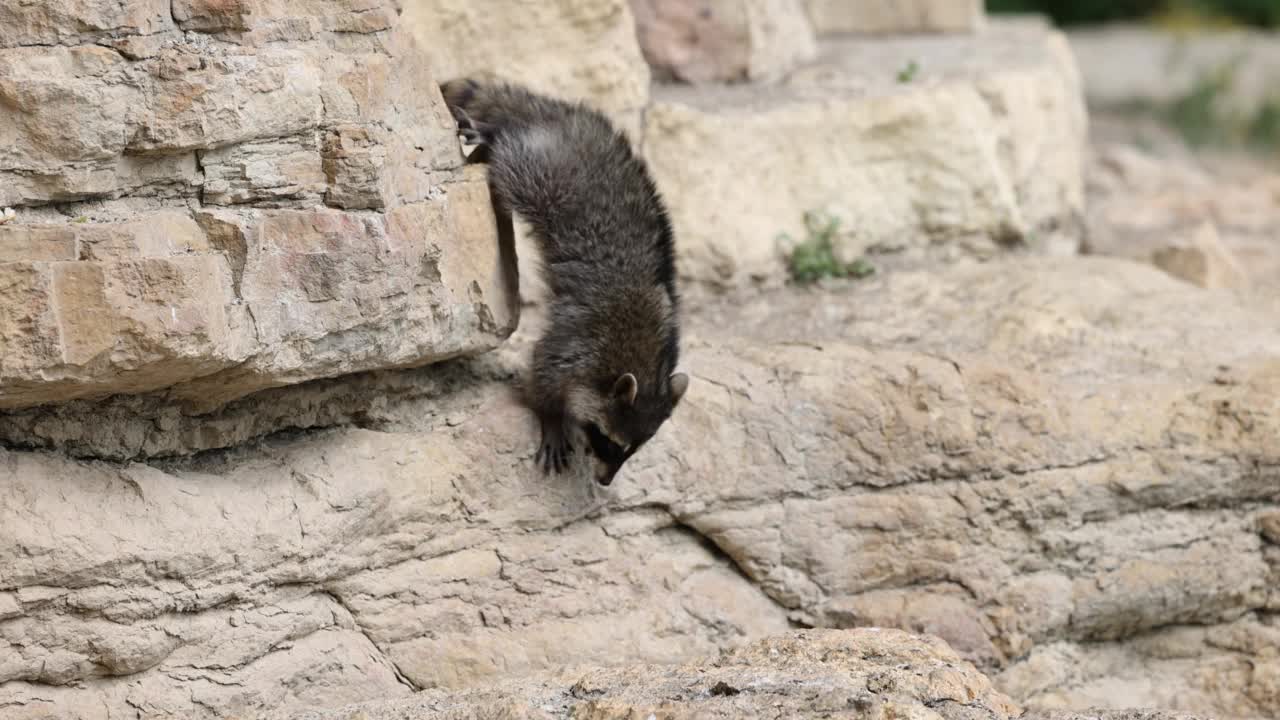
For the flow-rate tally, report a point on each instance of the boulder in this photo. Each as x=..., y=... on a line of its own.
x=808, y=674
x=1040, y=462
x=933, y=147
x=273, y=196
x=896, y=16
x=723, y=40
x=579, y=49
x=1212, y=230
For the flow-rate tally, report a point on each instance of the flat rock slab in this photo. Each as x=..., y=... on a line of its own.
x=937, y=146
x=1042, y=463
x=896, y=16
x=809, y=674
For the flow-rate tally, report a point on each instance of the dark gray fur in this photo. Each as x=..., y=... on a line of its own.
x=607, y=360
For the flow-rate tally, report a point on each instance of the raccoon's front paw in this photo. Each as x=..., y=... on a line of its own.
x=553, y=453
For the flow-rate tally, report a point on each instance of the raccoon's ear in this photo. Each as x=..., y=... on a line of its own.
x=679, y=383
x=626, y=389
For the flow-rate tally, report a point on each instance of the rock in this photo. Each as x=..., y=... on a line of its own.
x=1269, y=525
x=1124, y=64
x=282, y=203
x=78, y=21
x=982, y=150
x=579, y=49
x=723, y=40
x=1040, y=461
x=896, y=16
x=1213, y=228
x=807, y=674
x=1206, y=263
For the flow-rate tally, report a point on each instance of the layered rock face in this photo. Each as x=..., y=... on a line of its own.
x=1031, y=461
x=230, y=196
x=260, y=454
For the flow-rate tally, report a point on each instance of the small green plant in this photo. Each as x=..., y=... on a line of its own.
x=909, y=73
x=80, y=220
x=1264, y=128
x=1198, y=115
x=814, y=258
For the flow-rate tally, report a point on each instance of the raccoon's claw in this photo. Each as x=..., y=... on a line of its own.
x=554, y=452
x=554, y=456
x=474, y=133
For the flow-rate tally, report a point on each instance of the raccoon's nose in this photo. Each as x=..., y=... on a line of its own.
x=605, y=474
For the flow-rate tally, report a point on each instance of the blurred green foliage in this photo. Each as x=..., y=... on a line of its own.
x=1263, y=13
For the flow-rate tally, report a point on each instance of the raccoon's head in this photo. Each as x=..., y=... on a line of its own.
x=630, y=416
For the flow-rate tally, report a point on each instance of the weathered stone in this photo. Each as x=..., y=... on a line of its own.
x=579, y=49
x=982, y=150
x=723, y=40
x=28, y=243
x=264, y=172
x=896, y=16
x=808, y=674
x=1049, y=483
x=1212, y=231
x=260, y=21
x=77, y=21
x=1205, y=262
x=161, y=234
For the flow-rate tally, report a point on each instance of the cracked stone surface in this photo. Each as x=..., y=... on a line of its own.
x=265, y=192
x=808, y=674
x=1043, y=463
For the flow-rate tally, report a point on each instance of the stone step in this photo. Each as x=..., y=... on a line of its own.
x=933, y=145
x=895, y=16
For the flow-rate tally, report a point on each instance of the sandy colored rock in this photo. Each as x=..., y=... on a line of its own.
x=1030, y=459
x=982, y=150
x=1212, y=226
x=240, y=213
x=896, y=16
x=723, y=40
x=579, y=49
x=74, y=21
x=1205, y=263
x=809, y=674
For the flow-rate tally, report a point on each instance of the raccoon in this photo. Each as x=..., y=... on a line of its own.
x=606, y=364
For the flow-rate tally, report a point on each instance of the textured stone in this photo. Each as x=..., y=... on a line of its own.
x=1041, y=462
x=896, y=16
x=250, y=211
x=579, y=49
x=808, y=674
x=1205, y=262
x=1215, y=231
x=982, y=150
x=75, y=21
x=723, y=40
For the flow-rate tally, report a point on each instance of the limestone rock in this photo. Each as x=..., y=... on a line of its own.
x=808, y=674
x=723, y=40
x=1205, y=263
x=1215, y=231
x=1041, y=462
x=580, y=49
x=76, y=21
x=281, y=203
x=896, y=16
x=982, y=149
